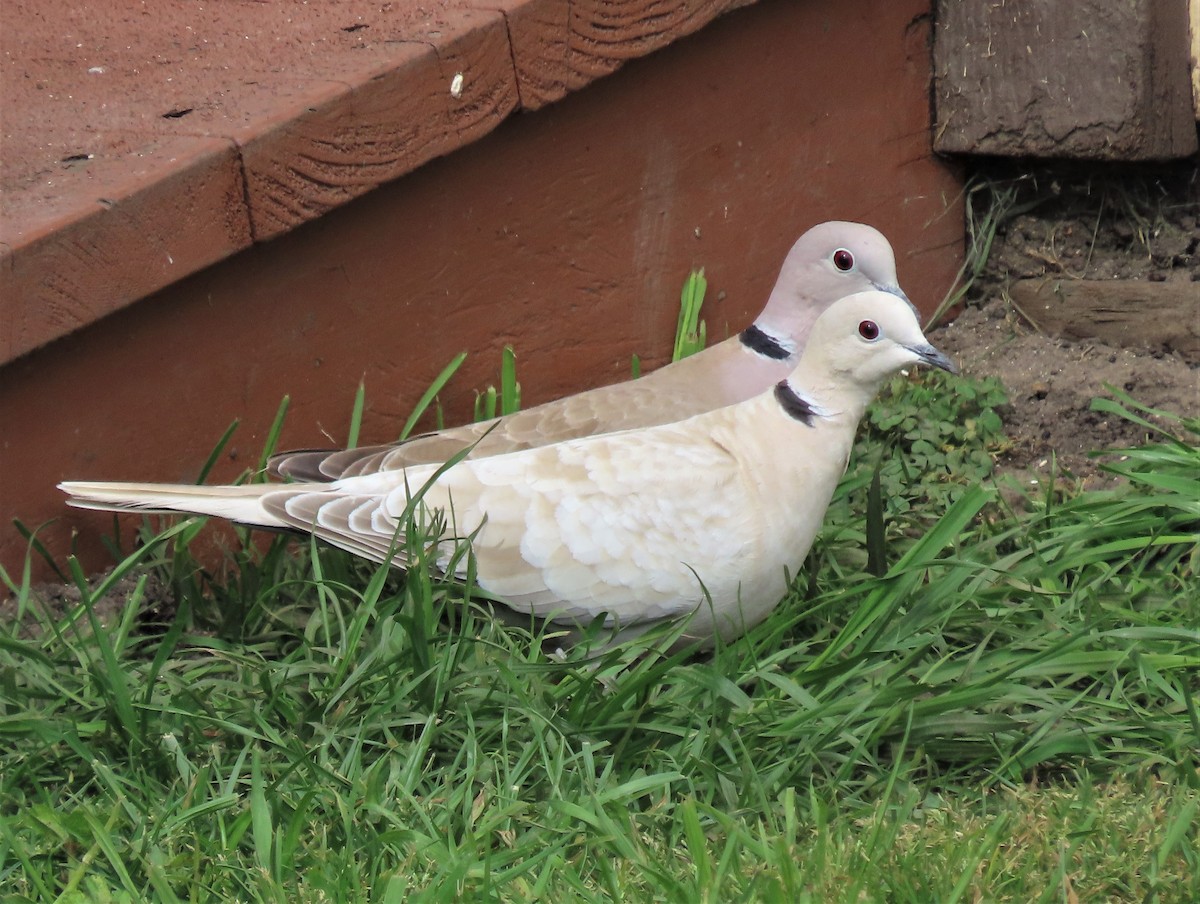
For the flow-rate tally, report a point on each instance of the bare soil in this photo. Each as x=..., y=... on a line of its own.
x=52, y=602
x=1051, y=383
x=1105, y=223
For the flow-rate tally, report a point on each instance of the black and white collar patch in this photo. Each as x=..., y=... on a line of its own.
x=763, y=343
x=793, y=405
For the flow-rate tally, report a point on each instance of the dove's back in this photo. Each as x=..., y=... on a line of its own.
x=830, y=261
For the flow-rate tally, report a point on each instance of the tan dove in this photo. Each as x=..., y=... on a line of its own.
x=634, y=527
x=828, y=262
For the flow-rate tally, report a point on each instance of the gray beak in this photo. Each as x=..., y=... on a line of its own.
x=931, y=356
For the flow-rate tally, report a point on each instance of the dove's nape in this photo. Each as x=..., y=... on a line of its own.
x=633, y=527
x=830, y=261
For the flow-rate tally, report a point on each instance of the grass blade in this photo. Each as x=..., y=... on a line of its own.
x=356, y=415
x=428, y=396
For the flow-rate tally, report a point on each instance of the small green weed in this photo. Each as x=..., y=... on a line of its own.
x=509, y=396
x=928, y=439
x=691, y=333
x=938, y=431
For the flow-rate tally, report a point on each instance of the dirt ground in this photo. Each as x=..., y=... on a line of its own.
x=1100, y=224
x=1051, y=383
x=55, y=600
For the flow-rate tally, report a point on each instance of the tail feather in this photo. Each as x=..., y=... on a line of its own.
x=235, y=503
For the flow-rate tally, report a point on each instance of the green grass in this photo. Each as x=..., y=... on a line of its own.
x=691, y=333
x=490, y=403
x=1006, y=713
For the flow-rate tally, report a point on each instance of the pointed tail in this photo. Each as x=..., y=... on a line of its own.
x=235, y=503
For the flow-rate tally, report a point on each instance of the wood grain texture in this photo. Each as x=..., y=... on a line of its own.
x=561, y=45
x=1090, y=79
x=387, y=122
x=603, y=34
x=133, y=232
x=477, y=49
x=1194, y=30
x=537, y=35
x=1162, y=316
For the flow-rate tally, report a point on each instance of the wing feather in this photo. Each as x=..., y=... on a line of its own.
x=696, y=384
x=617, y=526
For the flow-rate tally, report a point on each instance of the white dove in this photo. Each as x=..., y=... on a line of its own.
x=634, y=527
x=828, y=262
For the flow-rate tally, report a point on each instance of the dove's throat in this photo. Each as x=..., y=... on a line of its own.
x=831, y=400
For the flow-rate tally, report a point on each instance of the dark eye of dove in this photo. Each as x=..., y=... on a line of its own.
x=869, y=330
x=843, y=260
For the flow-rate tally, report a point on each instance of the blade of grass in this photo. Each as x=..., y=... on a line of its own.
x=215, y=454
x=272, y=441
x=875, y=527
x=510, y=389
x=356, y=415
x=428, y=396
x=30, y=537
x=689, y=329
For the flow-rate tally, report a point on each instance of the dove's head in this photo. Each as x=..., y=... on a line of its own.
x=830, y=261
x=862, y=340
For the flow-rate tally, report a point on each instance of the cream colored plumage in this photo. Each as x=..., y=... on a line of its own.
x=626, y=525
x=828, y=262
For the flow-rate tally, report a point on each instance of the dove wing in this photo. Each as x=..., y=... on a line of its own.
x=619, y=525
x=691, y=386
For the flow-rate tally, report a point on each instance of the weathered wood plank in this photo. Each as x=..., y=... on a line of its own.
x=559, y=46
x=70, y=258
x=1088, y=79
x=1131, y=313
x=606, y=33
x=346, y=98
x=537, y=33
x=443, y=87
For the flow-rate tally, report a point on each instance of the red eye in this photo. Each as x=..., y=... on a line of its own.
x=843, y=260
x=869, y=330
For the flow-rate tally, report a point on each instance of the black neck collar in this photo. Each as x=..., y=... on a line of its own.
x=793, y=405
x=758, y=341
